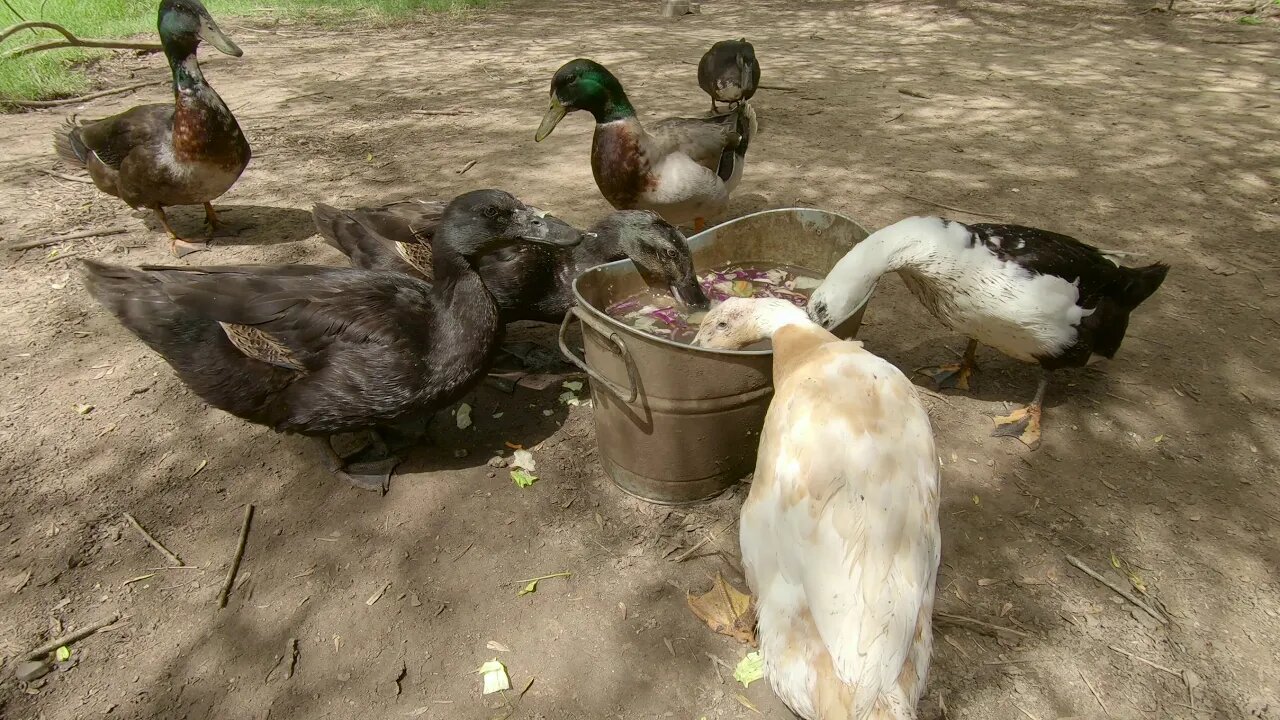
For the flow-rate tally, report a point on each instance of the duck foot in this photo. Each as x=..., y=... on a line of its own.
x=182, y=248
x=957, y=376
x=727, y=611
x=1024, y=423
x=951, y=376
x=368, y=468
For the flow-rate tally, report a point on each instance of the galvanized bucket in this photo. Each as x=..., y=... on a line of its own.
x=678, y=424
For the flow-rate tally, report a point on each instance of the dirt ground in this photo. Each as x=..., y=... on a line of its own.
x=1147, y=133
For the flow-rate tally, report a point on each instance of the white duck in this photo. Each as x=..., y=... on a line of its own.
x=1034, y=295
x=839, y=533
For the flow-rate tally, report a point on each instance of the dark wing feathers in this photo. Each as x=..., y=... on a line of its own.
x=113, y=138
x=703, y=139
x=369, y=235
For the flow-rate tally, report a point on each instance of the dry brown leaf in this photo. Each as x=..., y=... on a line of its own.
x=726, y=611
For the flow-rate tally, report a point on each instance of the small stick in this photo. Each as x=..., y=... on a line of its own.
x=174, y=560
x=60, y=176
x=86, y=98
x=467, y=167
x=440, y=112
x=101, y=232
x=235, y=561
x=1024, y=712
x=1118, y=590
x=1141, y=659
x=895, y=117
x=544, y=577
x=913, y=93
x=962, y=620
x=689, y=553
x=76, y=636
x=70, y=41
x=1096, y=696
x=938, y=204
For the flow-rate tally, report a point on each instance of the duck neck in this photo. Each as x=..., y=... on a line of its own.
x=185, y=67
x=457, y=284
x=615, y=106
x=887, y=250
x=793, y=336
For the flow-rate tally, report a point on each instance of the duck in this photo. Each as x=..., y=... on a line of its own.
x=681, y=168
x=839, y=532
x=320, y=351
x=729, y=73
x=155, y=156
x=528, y=282
x=1035, y=295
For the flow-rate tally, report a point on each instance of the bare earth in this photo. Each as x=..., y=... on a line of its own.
x=1146, y=133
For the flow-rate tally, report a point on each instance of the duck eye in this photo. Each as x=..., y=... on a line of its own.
x=722, y=325
x=490, y=211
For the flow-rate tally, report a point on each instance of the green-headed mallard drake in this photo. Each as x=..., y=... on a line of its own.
x=729, y=72
x=528, y=282
x=323, y=350
x=1034, y=295
x=681, y=168
x=154, y=156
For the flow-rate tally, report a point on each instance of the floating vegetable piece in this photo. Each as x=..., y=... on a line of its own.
x=726, y=611
x=464, y=416
x=523, y=478
x=743, y=289
x=495, y=677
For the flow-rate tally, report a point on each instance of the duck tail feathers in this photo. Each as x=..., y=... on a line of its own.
x=68, y=144
x=1141, y=283
x=326, y=218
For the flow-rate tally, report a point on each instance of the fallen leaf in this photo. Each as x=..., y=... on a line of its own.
x=463, y=416
x=523, y=478
x=984, y=582
x=377, y=595
x=495, y=645
x=199, y=467
x=747, y=704
x=1115, y=561
x=977, y=500
x=750, y=669
x=530, y=588
x=726, y=611
x=1158, y=438
x=495, y=677
x=84, y=409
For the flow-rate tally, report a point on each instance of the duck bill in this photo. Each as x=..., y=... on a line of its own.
x=554, y=115
x=689, y=296
x=538, y=227
x=212, y=34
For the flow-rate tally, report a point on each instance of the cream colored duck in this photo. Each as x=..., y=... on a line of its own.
x=839, y=533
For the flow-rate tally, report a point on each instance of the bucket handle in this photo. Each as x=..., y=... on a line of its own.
x=628, y=395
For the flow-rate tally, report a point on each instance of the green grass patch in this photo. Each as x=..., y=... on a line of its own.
x=61, y=73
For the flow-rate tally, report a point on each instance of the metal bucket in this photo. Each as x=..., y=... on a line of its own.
x=678, y=424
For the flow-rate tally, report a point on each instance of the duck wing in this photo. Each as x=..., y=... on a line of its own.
x=394, y=237
x=111, y=139
x=704, y=140
x=1043, y=252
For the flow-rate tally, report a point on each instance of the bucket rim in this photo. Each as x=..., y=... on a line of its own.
x=601, y=316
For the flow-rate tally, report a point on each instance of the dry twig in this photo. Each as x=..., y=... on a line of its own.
x=100, y=232
x=235, y=561
x=1145, y=661
x=76, y=636
x=174, y=560
x=69, y=40
x=84, y=98
x=963, y=621
x=1096, y=696
x=1118, y=590
x=941, y=205
x=60, y=176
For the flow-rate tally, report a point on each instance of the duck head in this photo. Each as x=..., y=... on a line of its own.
x=739, y=322
x=183, y=24
x=584, y=85
x=483, y=221
x=658, y=250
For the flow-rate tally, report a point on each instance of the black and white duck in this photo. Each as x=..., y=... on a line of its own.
x=729, y=73
x=1034, y=295
x=156, y=156
x=681, y=168
x=321, y=351
x=528, y=282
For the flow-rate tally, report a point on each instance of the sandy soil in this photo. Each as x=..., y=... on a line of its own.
x=1146, y=133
